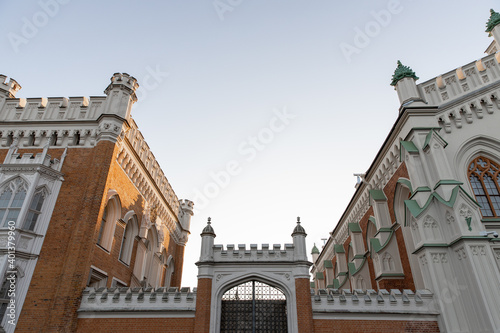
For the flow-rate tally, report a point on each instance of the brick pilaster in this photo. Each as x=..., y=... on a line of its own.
x=304, y=306
x=203, y=300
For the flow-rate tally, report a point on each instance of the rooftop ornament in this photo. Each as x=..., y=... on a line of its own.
x=493, y=21
x=402, y=72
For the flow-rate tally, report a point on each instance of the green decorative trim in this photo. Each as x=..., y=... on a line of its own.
x=469, y=221
x=493, y=21
x=371, y=218
x=405, y=182
x=320, y=276
x=402, y=72
x=354, y=227
x=313, y=285
x=428, y=138
x=490, y=219
x=431, y=245
x=331, y=286
x=409, y=146
x=315, y=249
x=336, y=284
x=377, y=195
x=416, y=210
x=346, y=278
x=383, y=230
x=359, y=256
x=338, y=248
x=352, y=267
x=328, y=264
x=420, y=189
x=447, y=182
x=375, y=242
x=383, y=275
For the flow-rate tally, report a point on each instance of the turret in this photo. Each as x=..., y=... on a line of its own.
x=121, y=95
x=403, y=81
x=8, y=89
x=207, y=242
x=493, y=25
x=185, y=213
x=299, y=242
x=315, y=253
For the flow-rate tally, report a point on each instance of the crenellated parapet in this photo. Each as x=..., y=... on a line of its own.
x=103, y=302
x=253, y=253
x=335, y=302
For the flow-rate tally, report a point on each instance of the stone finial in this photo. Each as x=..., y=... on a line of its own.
x=208, y=230
x=315, y=249
x=402, y=72
x=8, y=89
x=299, y=230
x=493, y=21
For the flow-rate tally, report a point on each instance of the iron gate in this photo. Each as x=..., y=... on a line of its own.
x=253, y=307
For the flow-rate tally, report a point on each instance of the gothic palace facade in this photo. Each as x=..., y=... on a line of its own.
x=416, y=250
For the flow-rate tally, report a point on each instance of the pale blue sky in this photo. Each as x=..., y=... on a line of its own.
x=225, y=78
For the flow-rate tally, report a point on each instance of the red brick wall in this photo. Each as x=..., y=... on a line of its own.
x=131, y=325
x=304, y=306
x=375, y=326
x=203, y=300
x=62, y=268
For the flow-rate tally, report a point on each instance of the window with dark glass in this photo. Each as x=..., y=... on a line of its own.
x=103, y=226
x=34, y=211
x=11, y=201
x=484, y=179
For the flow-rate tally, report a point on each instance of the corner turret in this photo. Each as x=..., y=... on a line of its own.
x=299, y=242
x=403, y=81
x=207, y=242
x=8, y=89
x=185, y=213
x=121, y=95
x=315, y=253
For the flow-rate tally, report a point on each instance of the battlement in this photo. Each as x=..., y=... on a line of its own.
x=395, y=301
x=461, y=81
x=137, y=300
x=123, y=81
x=9, y=89
x=253, y=254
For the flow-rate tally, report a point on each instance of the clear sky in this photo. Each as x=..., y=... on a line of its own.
x=258, y=110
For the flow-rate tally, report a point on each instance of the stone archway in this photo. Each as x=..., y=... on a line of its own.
x=253, y=306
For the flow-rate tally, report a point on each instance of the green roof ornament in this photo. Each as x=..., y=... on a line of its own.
x=402, y=72
x=315, y=249
x=493, y=21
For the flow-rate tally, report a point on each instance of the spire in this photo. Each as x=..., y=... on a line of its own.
x=402, y=71
x=493, y=21
x=315, y=249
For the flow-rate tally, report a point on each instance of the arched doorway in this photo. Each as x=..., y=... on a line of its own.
x=253, y=306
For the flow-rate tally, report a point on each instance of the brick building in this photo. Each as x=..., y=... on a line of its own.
x=90, y=204
x=416, y=249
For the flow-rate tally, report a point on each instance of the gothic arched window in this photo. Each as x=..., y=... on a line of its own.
x=34, y=211
x=11, y=201
x=484, y=178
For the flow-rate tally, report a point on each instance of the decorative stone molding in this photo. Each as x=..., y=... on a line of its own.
x=104, y=302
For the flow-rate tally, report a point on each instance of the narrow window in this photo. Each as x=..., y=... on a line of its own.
x=34, y=211
x=484, y=179
x=103, y=226
x=11, y=201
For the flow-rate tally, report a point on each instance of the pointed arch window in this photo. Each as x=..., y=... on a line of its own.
x=485, y=179
x=131, y=230
x=11, y=201
x=34, y=211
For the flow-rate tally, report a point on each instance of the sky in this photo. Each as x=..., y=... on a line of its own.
x=257, y=110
